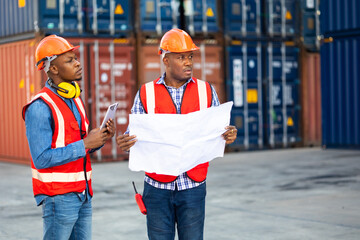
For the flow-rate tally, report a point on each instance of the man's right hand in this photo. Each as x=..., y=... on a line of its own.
x=125, y=142
x=95, y=138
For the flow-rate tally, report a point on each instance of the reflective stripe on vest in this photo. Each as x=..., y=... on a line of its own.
x=60, y=177
x=60, y=137
x=80, y=106
x=150, y=96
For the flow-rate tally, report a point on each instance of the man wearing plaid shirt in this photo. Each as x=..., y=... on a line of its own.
x=175, y=200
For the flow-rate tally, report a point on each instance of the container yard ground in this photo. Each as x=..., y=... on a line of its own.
x=287, y=194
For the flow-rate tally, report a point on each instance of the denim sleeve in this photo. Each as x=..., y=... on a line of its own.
x=39, y=131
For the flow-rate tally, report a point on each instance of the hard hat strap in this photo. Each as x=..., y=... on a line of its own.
x=46, y=62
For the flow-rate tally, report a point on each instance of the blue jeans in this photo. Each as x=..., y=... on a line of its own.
x=165, y=208
x=67, y=216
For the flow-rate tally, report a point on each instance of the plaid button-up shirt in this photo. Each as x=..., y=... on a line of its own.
x=182, y=181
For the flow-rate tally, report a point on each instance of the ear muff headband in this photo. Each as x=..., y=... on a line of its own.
x=67, y=90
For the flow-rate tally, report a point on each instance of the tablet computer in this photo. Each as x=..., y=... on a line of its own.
x=110, y=113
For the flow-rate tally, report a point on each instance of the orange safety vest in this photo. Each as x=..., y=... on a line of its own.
x=155, y=98
x=72, y=176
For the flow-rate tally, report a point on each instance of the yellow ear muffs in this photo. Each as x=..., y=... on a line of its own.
x=69, y=90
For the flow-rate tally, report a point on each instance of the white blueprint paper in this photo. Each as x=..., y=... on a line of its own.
x=175, y=143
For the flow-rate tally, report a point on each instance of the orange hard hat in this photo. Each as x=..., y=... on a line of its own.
x=51, y=46
x=177, y=41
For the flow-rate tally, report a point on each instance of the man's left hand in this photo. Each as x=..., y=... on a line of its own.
x=230, y=135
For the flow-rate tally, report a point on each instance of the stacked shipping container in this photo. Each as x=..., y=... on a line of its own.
x=260, y=60
x=263, y=75
x=108, y=62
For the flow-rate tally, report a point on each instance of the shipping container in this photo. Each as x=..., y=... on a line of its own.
x=310, y=98
x=282, y=18
x=207, y=63
x=19, y=82
x=201, y=17
x=197, y=17
x=157, y=17
x=242, y=18
x=340, y=87
x=109, y=17
x=339, y=17
x=282, y=100
x=67, y=18
x=263, y=82
x=244, y=88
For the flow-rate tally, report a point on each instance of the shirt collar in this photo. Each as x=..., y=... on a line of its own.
x=162, y=80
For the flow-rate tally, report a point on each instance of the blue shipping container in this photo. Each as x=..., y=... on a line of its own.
x=242, y=18
x=282, y=17
x=340, y=88
x=244, y=87
x=113, y=16
x=339, y=16
x=201, y=16
x=158, y=17
x=282, y=75
x=67, y=18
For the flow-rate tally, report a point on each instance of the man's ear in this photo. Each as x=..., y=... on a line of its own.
x=166, y=61
x=53, y=69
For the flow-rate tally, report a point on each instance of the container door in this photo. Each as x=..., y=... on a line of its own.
x=109, y=17
x=201, y=16
x=282, y=95
x=340, y=87
x=112, y=80
x=282, y=17
x=158, y=16
x=60, y=16
x=244, y=87
x=242, y=18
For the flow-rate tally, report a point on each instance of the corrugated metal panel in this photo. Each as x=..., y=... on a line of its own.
x=158, y=16
x=311, y=99
x=113, y=16
x=282, y=95
x=340, y=87
x=242, y=18
x=16, y=18
x=339, y=16
x=207, y=65
x=19, y=82
x=67, y=18
x=111, y=69
x=201, y=16
x=282, y=17
x=244, y=86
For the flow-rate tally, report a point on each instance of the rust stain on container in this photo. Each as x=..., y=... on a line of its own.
x=311, y=99
x=19, y=82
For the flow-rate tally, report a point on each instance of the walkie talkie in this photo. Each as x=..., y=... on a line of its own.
x=139, y=201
